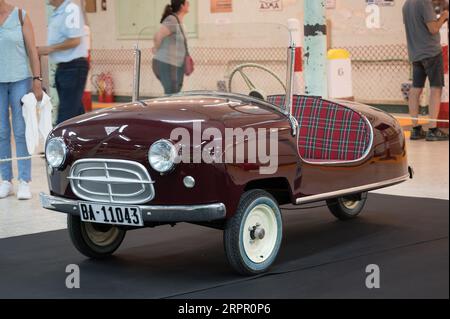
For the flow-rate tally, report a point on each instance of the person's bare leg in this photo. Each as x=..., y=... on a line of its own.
x=435, y=104
x=414, y=104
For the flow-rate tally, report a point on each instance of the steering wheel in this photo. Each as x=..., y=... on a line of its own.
x=254, y=91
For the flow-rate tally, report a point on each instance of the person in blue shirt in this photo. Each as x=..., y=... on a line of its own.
x=20, y=74
x=68, y=48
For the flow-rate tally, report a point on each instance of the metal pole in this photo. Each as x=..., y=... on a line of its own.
x=51, y=71
x=136, y=73
x=293, y=80
x=296, y=33
x=290, y=79
x=316, y=48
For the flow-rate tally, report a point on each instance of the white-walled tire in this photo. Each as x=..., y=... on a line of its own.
x=347, y=207
x=94, y=240
x=252, y=237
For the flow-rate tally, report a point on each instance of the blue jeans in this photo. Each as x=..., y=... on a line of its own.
x=10, y=97
x=171, y=77
x=70, y=81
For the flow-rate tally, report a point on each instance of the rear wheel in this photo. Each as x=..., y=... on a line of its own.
x=347, y=207
x=94, y=240
x=252, y=237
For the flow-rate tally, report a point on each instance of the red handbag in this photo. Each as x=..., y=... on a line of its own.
x=188, y=65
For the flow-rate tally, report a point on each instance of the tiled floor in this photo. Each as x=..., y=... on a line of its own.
x=429, y=160
x=27, y=217
x=431, y=166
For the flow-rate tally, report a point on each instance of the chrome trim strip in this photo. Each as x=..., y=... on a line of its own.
x=366, y=154
x=225, y=95
x=290, y=79
x=348, y=191
x=109, y=169
x=294, y=126
x=194, y=213
x=136, y=72
x=114, y=181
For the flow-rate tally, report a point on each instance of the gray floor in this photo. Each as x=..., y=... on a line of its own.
x=407, y=238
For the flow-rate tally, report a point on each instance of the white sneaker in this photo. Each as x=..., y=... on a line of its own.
x=24, y=193
x=6, y=189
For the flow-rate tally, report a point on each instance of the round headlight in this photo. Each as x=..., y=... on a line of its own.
x=162, y=156
x=56, y=152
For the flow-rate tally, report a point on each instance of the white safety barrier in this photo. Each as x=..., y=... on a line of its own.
x=421, y=119
x=5, y=160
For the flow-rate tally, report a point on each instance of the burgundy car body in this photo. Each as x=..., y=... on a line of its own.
x=296, y=181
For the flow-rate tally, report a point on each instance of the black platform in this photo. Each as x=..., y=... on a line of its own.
x=320, y=258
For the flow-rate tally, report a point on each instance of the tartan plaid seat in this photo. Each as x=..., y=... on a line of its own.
x=328, y=131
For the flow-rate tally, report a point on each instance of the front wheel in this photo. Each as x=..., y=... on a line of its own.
x=347, y=207
x=252, y=237
x=94, y=240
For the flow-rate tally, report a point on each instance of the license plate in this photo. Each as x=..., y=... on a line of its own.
x=111, y=215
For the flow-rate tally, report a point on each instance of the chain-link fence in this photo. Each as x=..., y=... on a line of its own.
x=378, y=71
x=212, y=69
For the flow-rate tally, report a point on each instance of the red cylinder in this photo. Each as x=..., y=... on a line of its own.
x=87, y=101
x=443, y=114
x=109, y=98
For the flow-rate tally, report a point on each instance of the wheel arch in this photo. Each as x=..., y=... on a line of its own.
x=278, y=187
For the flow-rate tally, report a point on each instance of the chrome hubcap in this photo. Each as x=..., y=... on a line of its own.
x=260, y=233
x=350, y=203
x=101, y=235
x=257, y=232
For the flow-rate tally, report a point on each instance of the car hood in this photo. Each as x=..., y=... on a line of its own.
x=141, y=124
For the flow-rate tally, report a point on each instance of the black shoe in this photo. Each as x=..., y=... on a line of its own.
x=418, y=133
x=436, y=135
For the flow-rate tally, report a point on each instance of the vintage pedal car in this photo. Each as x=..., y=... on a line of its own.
x=145, y=164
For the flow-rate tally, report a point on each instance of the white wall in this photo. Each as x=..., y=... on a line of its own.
x=248, y=11
x=349, y=24
x=244, y=11
x=348, y=21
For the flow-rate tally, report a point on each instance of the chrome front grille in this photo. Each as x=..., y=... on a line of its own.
x=111, y=181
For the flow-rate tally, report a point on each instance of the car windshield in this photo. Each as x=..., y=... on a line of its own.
x=244, y=58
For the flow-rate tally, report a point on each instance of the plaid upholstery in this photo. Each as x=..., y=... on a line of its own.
x=277, y=100
x=328, y=131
